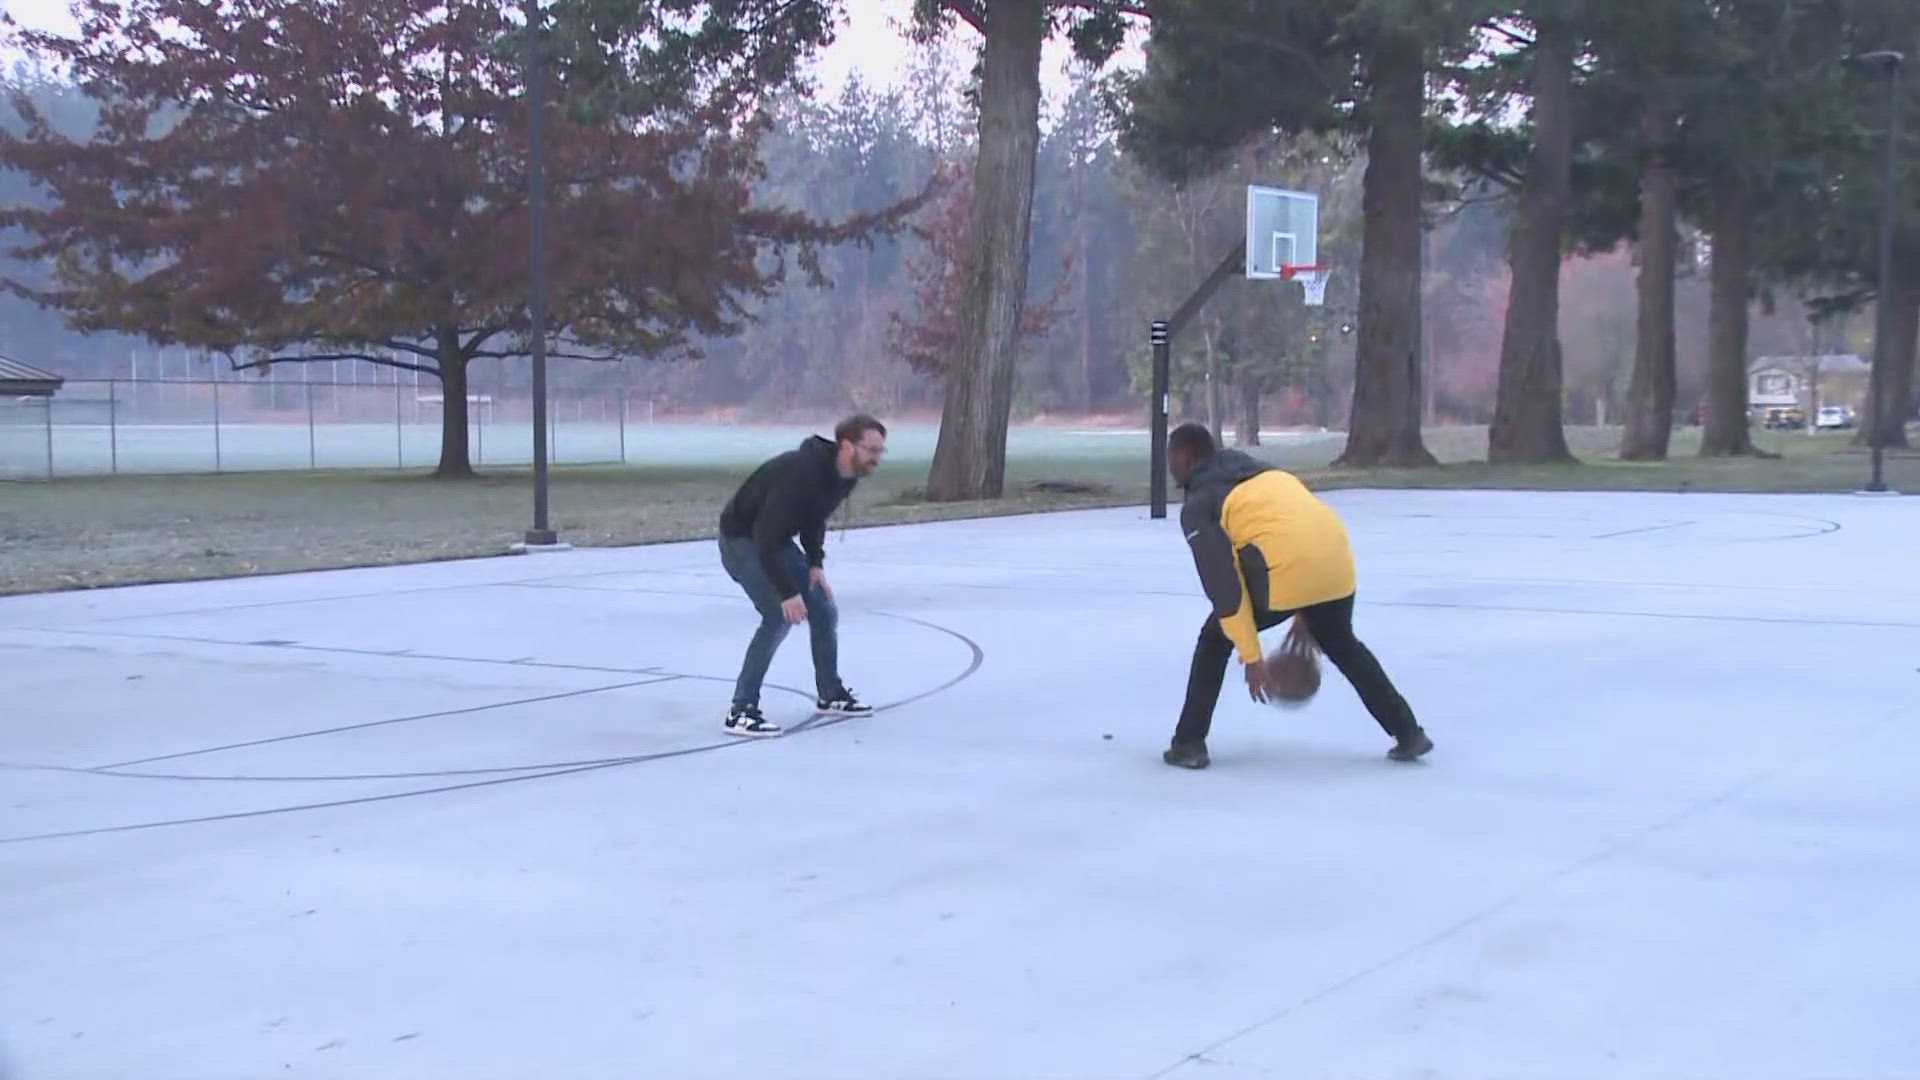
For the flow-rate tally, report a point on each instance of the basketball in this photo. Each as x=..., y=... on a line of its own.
x=1295, y=676
x=1293, y=669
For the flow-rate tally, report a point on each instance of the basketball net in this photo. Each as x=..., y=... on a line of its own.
x=1313, y=279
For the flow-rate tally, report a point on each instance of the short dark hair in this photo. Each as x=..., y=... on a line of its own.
x=855, y=427
x=1195, y=439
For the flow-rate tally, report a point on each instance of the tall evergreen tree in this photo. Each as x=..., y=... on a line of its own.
x=1219, y=71
x=969, y=461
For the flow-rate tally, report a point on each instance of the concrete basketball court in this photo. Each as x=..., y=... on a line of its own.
x=478, y=820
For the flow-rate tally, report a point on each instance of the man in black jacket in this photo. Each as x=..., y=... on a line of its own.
x=792, y=496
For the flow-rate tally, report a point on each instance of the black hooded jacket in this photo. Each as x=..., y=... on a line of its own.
x=791, y=495
x=1220, y=566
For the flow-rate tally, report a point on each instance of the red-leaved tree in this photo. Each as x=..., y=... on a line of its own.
x=297, y=180
x=930, y=340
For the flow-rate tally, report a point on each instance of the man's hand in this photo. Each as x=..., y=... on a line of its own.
x=818, y=579
x=795, y=609
x=1258, y=685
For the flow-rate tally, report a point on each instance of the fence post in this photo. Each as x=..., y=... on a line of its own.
x=313, y=456
x=49, y=416
x=479, y=419
x=623, y=429
x=113, y=425
x=216, y=426
x=399, y=418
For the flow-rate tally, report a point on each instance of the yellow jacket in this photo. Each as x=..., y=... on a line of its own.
x=1262, y=543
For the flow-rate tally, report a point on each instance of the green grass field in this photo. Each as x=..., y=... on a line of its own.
x=119, y=530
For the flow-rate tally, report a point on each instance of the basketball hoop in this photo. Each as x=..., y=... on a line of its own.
x=1312, y=278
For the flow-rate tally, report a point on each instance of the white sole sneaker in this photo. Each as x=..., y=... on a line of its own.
x=753, y=729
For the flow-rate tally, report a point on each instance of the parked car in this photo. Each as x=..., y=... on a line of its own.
x=1834, y=418
x=1785, y=419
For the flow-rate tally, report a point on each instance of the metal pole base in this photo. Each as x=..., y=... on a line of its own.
x=539, y=542
x=1877, y=482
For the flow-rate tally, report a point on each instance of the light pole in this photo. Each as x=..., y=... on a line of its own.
x=541, y=535
x=1890, y=62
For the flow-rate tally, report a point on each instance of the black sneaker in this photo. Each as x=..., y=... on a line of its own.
x=1412, y=748
x=1187, y=756
x=842, y=704
x=746, y=722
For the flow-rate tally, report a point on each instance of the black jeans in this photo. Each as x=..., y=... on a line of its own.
x=1331, y=625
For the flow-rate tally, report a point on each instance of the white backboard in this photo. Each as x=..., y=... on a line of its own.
x=1283, y=229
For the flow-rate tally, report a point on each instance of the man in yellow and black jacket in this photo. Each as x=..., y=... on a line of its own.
x=1268, y=550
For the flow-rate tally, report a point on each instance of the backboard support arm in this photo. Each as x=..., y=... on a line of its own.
x=1160, y=335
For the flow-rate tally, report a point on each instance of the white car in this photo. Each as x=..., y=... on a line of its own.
x=1833, y=417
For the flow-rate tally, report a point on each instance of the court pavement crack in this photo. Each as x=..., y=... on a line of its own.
x=977, y=660
x=1209, y=1053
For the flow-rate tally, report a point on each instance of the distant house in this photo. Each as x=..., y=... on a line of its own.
x=19, y=380
x=1806, y=383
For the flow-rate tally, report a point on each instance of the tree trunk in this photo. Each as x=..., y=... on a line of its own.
x=1725, y=430
x=1813, y=393
x=1248, y=433
x=1318, y=386
x=970, y=459
x=1527, y=422
x=1086, y=314
x=1897, y=376
x=1651, y=391
x=454, y=459
x=1385, y=425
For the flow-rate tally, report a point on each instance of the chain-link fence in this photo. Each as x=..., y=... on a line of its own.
x=98, y=427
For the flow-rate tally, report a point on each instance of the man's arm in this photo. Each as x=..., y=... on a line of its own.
x=779, y=519
x=1219, y=568
x=813, y=541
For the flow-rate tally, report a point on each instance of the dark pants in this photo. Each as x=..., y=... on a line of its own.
x=1331, y=625
x=742, y=563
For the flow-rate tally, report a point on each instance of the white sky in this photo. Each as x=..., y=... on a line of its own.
x=870, y=43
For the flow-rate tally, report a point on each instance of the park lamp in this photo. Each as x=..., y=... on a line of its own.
x=541, y=537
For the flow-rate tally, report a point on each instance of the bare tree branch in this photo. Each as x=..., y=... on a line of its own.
x=552, y=354
x=778, y=15
x=398, y=345
x=1508, y=177
x=1138, y=11
x=319, y=358
x=484, y=334
x=1459, y=206
x=971, y=12
x=1500, y=27
x=382, y=273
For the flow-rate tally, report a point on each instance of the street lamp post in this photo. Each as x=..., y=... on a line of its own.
x=1891, y=62
x=542, y=534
